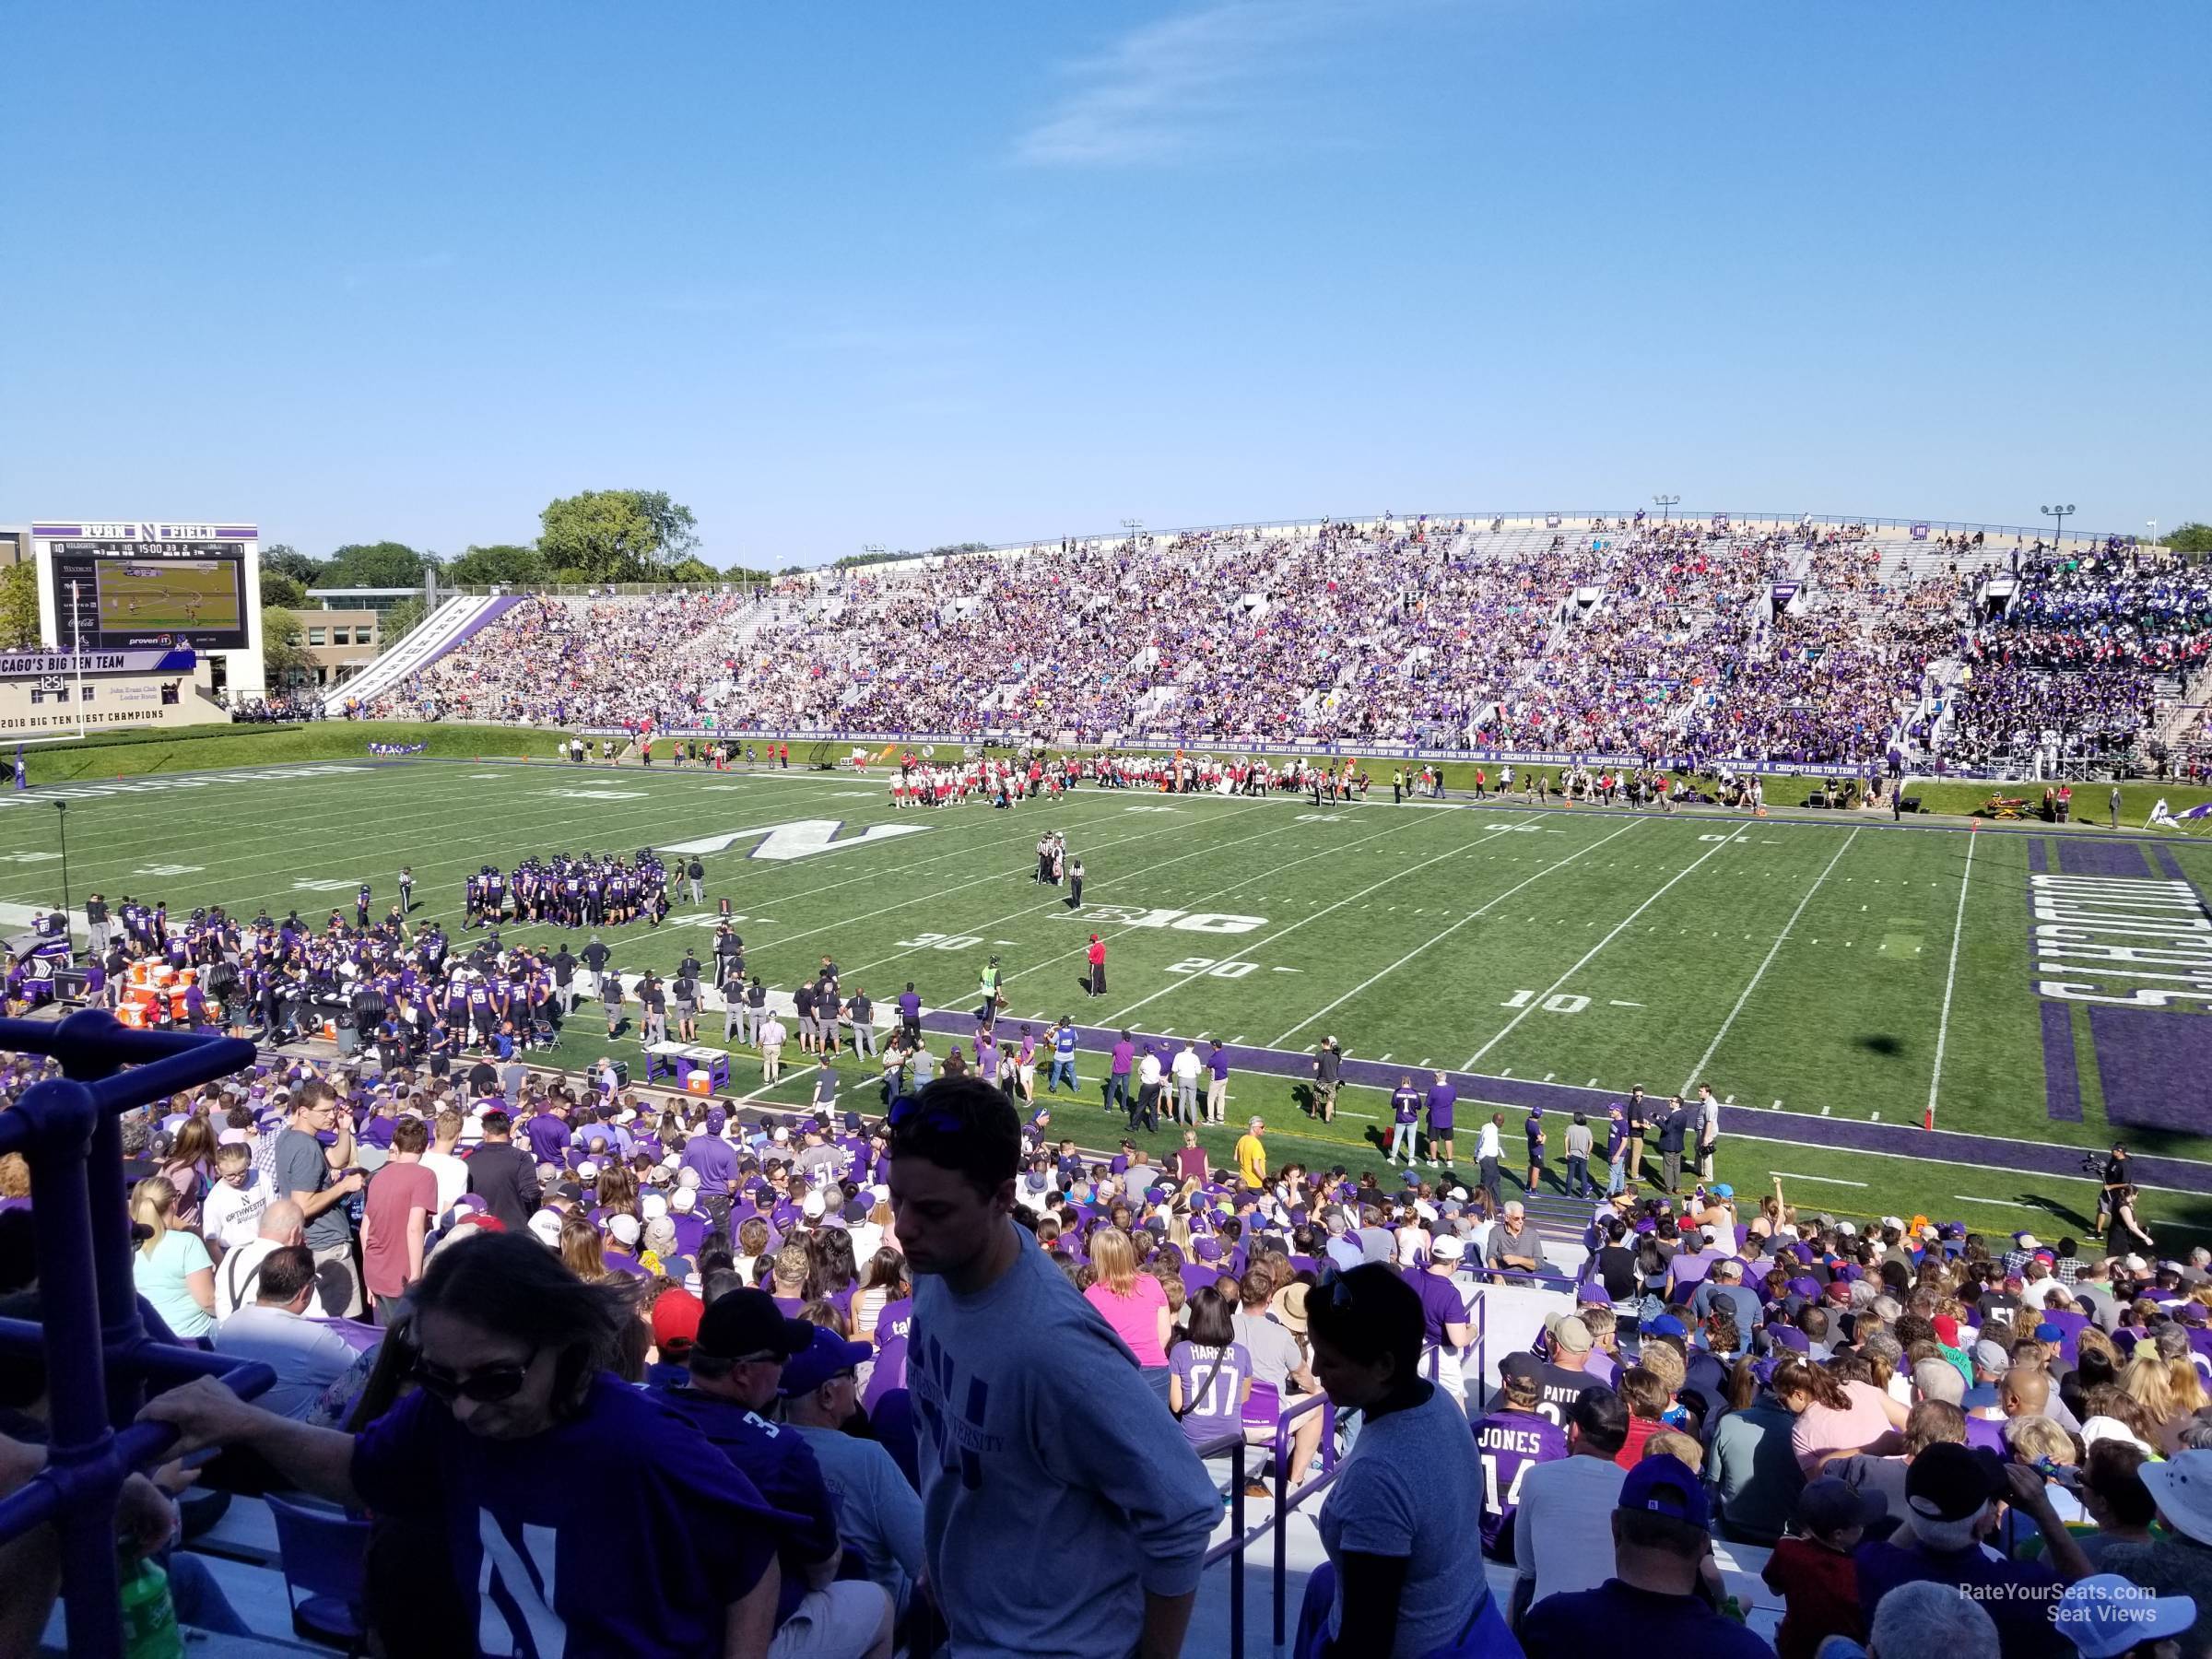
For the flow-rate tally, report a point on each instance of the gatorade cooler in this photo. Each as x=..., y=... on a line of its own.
x=696, y=1081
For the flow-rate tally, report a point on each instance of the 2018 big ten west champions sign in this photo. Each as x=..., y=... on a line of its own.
x=153, y=585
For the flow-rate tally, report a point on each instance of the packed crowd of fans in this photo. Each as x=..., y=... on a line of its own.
x=819, y=1374
x=1819, y=645
x=2078, y=656
x=581, y=663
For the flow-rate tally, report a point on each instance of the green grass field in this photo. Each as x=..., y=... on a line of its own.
x=1829, y=967
x=177, y=594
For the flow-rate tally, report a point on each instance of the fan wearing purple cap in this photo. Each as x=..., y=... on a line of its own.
x=736, y=1369
x=1662, y=1556
x=878, y=1513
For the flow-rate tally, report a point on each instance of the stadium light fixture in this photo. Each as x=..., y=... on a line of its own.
x=874, y=549
x=1135, y=528
x=2152, y=525
x=1665, y=503
x=2060, y=514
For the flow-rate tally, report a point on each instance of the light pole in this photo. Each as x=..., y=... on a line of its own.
x=2152, y=525
x=1665, y=503
x=1135, y=527
x=2060, y=514
x=60, y=819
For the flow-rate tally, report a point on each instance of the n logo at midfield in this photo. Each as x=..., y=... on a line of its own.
x=801, y=839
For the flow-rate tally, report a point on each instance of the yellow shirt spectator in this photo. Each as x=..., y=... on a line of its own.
x=1252, y=1158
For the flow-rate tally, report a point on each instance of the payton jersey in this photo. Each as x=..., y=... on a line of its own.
x=1509, y=1444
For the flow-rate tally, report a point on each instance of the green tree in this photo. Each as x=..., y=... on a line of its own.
x=2192, y=537
x=281, y=587
x=282, y=653
x=617, y=535
x=388, y=564
x=694, y=569
x=18, y=606
x=282, y=556
x=504, y=562
x=746, y=574
x=397, y=622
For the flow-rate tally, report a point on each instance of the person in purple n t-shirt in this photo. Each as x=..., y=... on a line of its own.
x=528, y=1455
x=1511, y=1440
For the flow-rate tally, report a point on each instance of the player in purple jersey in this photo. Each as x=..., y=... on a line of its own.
x=1511, y=1440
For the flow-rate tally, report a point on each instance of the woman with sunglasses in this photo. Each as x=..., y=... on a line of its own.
x=1398, y=1584
x=519, y=1442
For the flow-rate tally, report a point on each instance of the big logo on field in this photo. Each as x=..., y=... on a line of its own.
x=2125, y=952
x=1136, y=915
x=802, y=838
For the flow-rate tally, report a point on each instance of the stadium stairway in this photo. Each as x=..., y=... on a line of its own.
x=455, y=620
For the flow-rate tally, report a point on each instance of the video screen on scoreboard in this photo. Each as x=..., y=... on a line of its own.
x=141, y=594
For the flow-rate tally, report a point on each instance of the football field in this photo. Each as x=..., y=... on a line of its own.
x=177, y=593
x=1835, y=978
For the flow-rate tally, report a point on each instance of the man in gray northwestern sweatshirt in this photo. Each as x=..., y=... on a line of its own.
x=1064, y=1513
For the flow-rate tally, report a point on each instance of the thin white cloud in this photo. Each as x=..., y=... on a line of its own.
x=1206, y=82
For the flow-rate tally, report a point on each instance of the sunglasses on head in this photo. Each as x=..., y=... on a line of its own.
x=486, y=1385
x=905, y=1111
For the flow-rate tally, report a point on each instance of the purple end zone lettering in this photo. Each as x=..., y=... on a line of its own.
x=2038, y=856
x=2169, y=863
x=2152, y=1065
x=2078, y=857
x=2061, y=1080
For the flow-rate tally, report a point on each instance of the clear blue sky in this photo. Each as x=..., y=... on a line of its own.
x=921, y=273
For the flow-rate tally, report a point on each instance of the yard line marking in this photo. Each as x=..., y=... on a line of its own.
x=1591, y=954
x=1780, y=938
x=1289, y=928
x=1943, y=1021
x=1447, y=932
x=1026, y=910
x=1824, y=1179
x=1618, y=1003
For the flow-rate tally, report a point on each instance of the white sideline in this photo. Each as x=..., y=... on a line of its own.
x=1943, y=1022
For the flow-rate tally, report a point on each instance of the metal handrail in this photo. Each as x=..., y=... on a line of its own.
x=98, y=1355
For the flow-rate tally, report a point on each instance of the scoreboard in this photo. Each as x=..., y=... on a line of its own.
x=149, y=585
